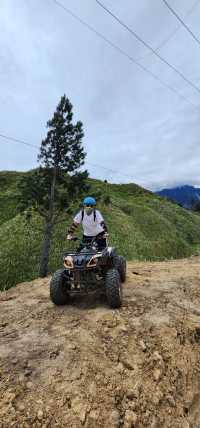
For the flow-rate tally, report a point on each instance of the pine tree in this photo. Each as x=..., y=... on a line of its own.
x=51, y=188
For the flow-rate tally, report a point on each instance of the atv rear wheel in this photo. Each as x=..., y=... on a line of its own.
x=58, y=294
x=113, y=288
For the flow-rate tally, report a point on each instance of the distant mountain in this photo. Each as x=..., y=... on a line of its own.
x=183, y=195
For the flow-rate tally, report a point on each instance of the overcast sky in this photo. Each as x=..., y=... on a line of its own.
x=133, y=125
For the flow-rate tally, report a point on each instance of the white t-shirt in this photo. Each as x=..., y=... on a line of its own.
x=90, y=227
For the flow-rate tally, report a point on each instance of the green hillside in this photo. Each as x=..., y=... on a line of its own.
x=141, y=225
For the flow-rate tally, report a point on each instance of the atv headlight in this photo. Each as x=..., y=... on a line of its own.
x=93, y=261
x=68, y=262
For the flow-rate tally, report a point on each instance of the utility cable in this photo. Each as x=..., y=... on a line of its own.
x=6, y=137
x=171, y=35
x=148, y=46
x=18, y=141
x=122, y=52
x=181, y=21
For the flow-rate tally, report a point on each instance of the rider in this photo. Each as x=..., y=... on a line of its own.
x=92, y=222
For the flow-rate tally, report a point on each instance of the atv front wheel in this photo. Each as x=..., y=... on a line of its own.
x=113, y=288
x=120, y=265
x=122, y=268
x=58, y=294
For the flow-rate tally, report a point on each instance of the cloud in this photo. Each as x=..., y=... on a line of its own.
x=133, y=125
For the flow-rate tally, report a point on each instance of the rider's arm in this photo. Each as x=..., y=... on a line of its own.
x=75, y=224
x=102, y=222
x=72, y=228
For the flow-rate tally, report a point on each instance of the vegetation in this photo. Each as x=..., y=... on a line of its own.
x=141, y=225
x=196, y=206
x=49, y=190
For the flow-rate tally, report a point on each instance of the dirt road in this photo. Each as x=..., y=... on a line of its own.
x=85, y=365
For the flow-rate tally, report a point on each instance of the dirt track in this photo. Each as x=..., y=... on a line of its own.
x=88, y=366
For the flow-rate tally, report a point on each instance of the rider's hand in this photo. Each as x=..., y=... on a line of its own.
x=106, y=235
x=69, y=237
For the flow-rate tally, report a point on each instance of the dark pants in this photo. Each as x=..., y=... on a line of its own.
x=101, y=242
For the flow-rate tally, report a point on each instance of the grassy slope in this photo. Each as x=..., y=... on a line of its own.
x=8, y=192
x=141, y=226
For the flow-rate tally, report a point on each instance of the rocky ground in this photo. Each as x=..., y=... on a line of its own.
x=85, y=365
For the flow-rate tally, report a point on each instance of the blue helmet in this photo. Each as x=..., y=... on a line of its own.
x=89, y=201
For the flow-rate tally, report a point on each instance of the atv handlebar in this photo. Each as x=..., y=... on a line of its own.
x=76, y=238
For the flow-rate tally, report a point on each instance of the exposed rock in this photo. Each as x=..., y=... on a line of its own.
x=21, y=377
x=29, y=385
x=132, y=405
x=119, y=368
x=157, y=356
x=156, y=397
x=171, y=400
x=114, y=419
x=79, y=408
x=142, y=345
x=185, y=424
x=154, y=423
x=122, y=329
x=157, y=374
x=21, y=407
x=9, y=397
x=127, y=363
x=28, y=372
x=132, y=393
x=92, y=389
x=130, y=419
x=92, y=418
x=40, y=414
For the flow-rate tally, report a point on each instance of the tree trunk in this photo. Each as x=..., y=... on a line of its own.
x=44, y=261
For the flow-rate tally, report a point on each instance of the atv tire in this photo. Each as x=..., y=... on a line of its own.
x=120, y=265
x=113, y=288
x=58, y=294
x=122, y=268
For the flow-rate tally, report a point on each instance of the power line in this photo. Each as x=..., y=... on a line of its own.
x=182, y=22
x=171, y=35
x=110, y=170
x=124, y=54
x=148, y=46
x=87, y=163
x=117, y=48
x=18, y=141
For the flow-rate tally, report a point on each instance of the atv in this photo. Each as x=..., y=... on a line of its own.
x=87, y=270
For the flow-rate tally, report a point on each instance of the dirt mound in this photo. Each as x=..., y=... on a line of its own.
x=85, y=365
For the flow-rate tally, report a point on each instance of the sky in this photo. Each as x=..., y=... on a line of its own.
x=136, y=130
